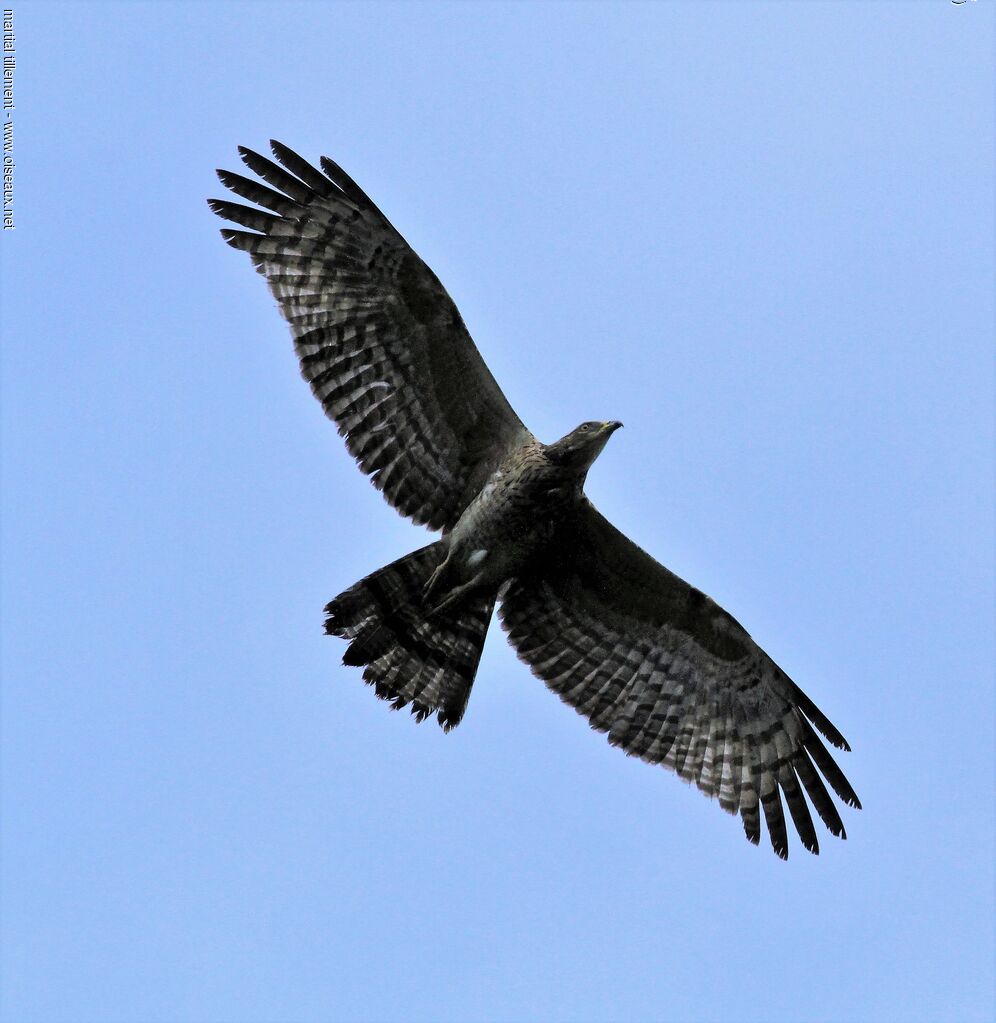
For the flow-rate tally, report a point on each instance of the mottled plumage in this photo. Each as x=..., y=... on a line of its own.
x=669, y=675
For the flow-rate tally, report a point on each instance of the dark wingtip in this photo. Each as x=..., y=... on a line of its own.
x=353, y=657
x=420, y=711
x=832, y=736
x=754, y=837
x=450, y=717
x=333, y=626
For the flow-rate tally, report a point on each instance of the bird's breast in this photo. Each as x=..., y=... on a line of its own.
x=513, y=516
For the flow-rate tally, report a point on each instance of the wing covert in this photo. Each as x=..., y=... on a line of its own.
x=673, y=679
x=379, y=340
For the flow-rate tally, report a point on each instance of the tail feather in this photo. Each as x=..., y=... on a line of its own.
x=408, y=655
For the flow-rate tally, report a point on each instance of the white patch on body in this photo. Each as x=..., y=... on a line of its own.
x=476, y=557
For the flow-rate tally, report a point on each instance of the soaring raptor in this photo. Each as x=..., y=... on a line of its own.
x=667, y=673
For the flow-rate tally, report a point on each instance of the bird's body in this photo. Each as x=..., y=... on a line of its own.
x=499, y=529
x=515, y=516
x=667, y=673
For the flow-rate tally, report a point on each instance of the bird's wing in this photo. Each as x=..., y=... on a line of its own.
x=379, y=340
x=674, y=680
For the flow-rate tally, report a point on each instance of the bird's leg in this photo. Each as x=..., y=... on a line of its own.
x=454, y=595
x=434, y=579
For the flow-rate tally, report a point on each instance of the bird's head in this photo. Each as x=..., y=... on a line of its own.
x=582, y=445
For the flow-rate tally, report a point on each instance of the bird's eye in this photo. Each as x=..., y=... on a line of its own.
x=585, y=428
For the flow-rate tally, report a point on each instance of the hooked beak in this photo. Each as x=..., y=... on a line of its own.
x=611, y=428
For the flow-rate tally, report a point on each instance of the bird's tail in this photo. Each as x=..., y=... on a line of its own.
x=411, y=656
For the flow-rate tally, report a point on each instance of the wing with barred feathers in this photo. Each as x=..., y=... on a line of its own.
x=378, y=338
x=675, y=680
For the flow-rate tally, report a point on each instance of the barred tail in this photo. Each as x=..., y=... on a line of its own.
x=409, y=658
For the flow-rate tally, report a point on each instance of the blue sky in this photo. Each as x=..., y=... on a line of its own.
x=759, y=234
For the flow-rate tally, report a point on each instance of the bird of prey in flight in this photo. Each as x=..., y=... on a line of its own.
x=645, y=657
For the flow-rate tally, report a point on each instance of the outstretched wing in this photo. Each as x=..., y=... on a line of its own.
x=379, y=340
x=674, y=680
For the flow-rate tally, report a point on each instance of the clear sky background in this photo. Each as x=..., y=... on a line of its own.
x=760, y=234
